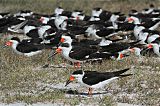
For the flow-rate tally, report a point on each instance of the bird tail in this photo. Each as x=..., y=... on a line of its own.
x=125, y=75
x=118, y=73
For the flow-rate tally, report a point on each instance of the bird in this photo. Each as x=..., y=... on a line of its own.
x=155, y=47
x=97, y=33
x=87, y=53
x=83, y=42
x=150, y=23
x=75, y=54
x=146, y=35
x=118, y=47
x=3, y=14
x=95, y=79
x=26, y=47
x=140, y=51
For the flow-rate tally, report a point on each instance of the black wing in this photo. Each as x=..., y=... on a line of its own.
x=117, y=47
x=33, y=33
x=93, y=77
x=79, y=52
x=114, y=47
x=100, y=56
x=105, y=32
x=27, y=48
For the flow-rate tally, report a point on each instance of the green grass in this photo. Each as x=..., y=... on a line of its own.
x=47, y=6
x=18, y=77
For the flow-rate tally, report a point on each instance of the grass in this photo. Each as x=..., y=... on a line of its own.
x=19, y=78
x=47, y=6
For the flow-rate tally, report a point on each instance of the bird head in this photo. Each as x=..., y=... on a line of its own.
x=62, y=40
x=78, y=75
x=121, y=56
x=66, y=39
x=41, y=19
x=71, y=78
x=8, y=43
x=63, y=46
x=59, y=50
x=14, y=40
x=149, y=46
x=132, y=50
x=130, y=20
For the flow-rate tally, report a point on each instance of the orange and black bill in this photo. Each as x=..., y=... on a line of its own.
x=70, y=80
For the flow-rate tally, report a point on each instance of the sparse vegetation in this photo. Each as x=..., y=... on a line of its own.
x=20, y=79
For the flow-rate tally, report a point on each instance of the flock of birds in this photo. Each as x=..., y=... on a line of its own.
x=80, y=38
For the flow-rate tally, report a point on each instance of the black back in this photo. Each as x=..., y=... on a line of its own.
x=79, y=53
x=92, y=78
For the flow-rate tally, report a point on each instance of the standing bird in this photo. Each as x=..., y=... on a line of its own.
x=94, y=79
x=80, y=54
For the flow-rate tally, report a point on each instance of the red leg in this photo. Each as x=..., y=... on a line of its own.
x=90, y=91
x=77, y=65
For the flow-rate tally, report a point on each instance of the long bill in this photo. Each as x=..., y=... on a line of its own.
x=70, y=80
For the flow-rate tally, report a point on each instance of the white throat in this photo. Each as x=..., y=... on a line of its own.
x=156, y=49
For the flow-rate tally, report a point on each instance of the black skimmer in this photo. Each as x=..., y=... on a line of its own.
x=13, y=24
x=26, y=48
x=53, y=39
x=83, y=17
x=32, y=41
x=95, y=14
x=118, y=47
x=36, y=32
x=155, y=38
x=109, y=16
x=31, y=31
x=155, y=47
x=60, y=22
x=144, y=15
x=96, y=11
x=73, y=41
x=42, y=30
x=145, y=50
x=148, y=10
x=105, y=15
x=141, y=50
x=136, y=51
x=75, y=13
x=24, y=13
x=58, y=11
x=87, y=53
x=149, y=23
x=94, y=79
x=4, y=14
x=137, y=30
x=94, y=19
x=10, y=21
x=125, y=26
x=48, y=21
x=146, y=35
x=96, y=33
x=75, y=54
x=44, y=20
